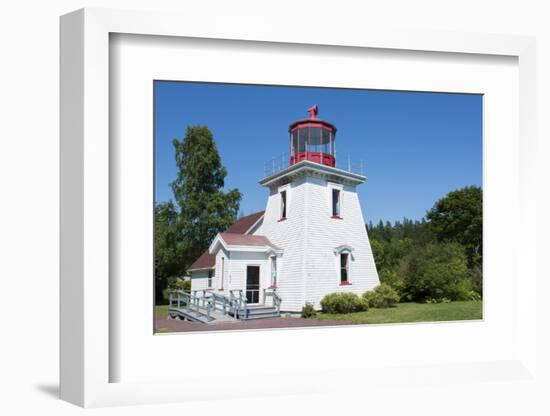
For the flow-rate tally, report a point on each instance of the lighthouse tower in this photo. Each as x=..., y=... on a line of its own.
x=313, y=214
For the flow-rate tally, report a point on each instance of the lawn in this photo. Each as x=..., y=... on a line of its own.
x=403, y=312
x=161, y=310
x=412, y=312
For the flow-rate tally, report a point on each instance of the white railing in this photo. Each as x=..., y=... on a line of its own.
x=191, y=300
x=345, y=163
x=276, y=299
x=240, y=304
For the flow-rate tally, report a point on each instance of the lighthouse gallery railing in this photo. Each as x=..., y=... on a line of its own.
x=348, y=164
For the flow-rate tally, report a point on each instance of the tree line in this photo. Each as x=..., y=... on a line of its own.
x=437, y=258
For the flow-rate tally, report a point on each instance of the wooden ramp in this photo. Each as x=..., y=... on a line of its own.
x=189, y=315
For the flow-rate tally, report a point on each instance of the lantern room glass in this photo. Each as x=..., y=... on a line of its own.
x=314, y=143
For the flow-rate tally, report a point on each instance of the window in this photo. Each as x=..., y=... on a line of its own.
x=273, y=271
x=294, y=147
x=283, y=205
x=210, y=275
x=325, y=141
x=314, y=142
x=221, y=277
x=302, y=139
x=344, y=268
x=336, y=203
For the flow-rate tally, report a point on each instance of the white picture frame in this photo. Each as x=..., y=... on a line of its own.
x=86, y=330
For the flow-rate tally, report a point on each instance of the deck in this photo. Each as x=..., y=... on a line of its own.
x=207, y=307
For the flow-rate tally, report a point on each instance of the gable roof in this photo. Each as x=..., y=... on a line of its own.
x=205, y=261
x=241, y=226
x=232, y=239
x=244, y=224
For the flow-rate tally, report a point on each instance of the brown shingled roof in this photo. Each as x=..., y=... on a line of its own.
x=247, y=240
x=241, y=226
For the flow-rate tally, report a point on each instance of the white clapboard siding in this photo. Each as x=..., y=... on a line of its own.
x=222, y=272
x=309, y=236
x=325, y=234
x=290, y=236
x=199, y=280
x=234, y=272
x=239, y=263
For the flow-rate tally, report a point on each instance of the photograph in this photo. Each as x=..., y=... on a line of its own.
x=291, y=207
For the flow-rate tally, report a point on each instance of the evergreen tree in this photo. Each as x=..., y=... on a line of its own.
x=205, y=208
x=167, y=247
x=202, y=208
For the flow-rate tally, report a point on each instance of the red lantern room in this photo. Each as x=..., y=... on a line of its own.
x=312, y=139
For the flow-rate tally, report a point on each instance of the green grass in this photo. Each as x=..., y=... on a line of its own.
x=161, y=310
x=412, y=312
x=403, y=312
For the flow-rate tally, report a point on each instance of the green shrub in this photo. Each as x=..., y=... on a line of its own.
x=476, y=277
x=343, y=303
x=308, y=311
x=370, y=298
x=435, y=271
x=178, y=283
x=175, y=284
x=382, y=296
x=438, y=300
x=473, y=295
x=463, y=290
x=391, y=278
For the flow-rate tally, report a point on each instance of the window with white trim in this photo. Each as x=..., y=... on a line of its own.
x=283, y=204
x=336, y=202
x=344, y=267
x=222, y=273
x=210, y=276
x=274, y=271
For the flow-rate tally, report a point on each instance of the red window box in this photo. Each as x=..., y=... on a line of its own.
x=336, y=217
x=273, y=287
x=282, y=219
x=345, y=284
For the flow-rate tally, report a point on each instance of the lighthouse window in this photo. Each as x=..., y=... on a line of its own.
x=294, y=143
x=344, y=267
x=302, y=140
x=335, y=202
x=314, y=144
x=283, y=204
x=325, y=141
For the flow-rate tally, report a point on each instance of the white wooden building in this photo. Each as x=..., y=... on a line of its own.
x=310, y=241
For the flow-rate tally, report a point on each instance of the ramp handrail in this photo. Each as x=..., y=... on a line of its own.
x=225, y=302
x=276, y=298
x=240, y=303
x=179, y=297
x=203, y=302
x=191, y=300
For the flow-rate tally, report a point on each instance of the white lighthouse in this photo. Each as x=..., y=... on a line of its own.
x=310, y=241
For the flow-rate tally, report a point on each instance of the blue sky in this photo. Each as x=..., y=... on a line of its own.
x=415, y=147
